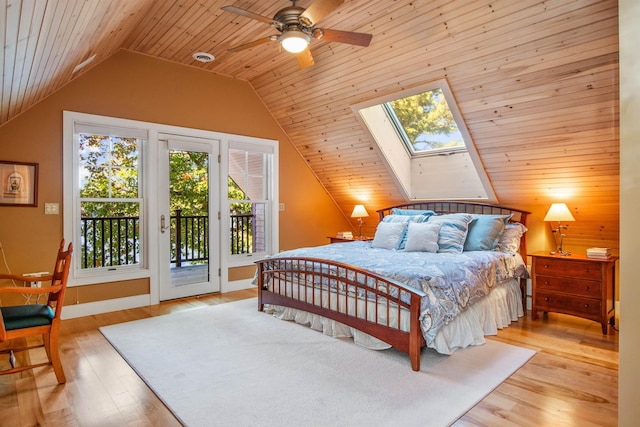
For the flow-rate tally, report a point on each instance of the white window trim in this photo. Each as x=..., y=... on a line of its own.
x=71, y=207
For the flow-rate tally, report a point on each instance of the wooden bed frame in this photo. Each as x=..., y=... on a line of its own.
x=292, y=278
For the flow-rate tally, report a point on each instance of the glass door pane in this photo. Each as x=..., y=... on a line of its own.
x=189, y=262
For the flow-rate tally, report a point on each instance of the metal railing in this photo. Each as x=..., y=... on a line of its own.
x=109, y=242
x=115, y=241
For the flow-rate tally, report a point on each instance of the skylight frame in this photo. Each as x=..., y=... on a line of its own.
x=402, y=133
x=461, y=167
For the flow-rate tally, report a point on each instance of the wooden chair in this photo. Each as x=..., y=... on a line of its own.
x=27, y=320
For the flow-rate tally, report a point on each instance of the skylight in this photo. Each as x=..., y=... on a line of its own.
x=425, y=142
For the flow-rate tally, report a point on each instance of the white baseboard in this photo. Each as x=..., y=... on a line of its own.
x=106, y=306
x=237, y=285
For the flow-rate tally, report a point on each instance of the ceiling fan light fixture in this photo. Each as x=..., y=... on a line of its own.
x=294, y=41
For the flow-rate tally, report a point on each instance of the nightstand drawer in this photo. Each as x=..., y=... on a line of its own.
x=569, y=304
x=561, y=267
x=587, y=288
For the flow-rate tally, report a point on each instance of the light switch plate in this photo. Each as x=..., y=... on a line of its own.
x=51, y=209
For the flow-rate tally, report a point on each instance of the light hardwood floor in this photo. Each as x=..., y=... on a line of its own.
x=571, y=381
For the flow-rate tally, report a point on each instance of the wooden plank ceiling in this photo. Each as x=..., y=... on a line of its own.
x=536, y=82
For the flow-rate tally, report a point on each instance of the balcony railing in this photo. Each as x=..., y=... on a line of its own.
x=115, y=241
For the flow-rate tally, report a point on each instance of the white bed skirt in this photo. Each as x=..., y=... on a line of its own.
x=495, y=311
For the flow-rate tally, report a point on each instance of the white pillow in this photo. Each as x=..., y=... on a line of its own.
x=388, y=235
x=422, y=237
x=510, y=239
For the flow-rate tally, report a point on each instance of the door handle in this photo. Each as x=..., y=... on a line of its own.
x=163, y=221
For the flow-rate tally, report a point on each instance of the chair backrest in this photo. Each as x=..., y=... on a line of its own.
x=60, y=276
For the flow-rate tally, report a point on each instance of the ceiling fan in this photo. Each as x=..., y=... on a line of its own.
x=297, y=26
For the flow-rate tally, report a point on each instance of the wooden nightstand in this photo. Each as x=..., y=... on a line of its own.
x=334, y=239
x=574, y=285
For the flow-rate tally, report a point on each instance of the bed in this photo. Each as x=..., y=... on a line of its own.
x=437, y=274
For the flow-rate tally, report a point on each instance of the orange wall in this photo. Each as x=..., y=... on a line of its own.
x=137, y=87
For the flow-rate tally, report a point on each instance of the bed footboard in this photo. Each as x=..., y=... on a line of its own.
x=381, y=307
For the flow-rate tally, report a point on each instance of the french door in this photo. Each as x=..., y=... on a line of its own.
x=189, y=234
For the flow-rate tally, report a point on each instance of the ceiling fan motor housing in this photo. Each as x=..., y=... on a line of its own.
x=289, y=17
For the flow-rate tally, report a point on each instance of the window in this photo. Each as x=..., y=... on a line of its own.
x=249, y=199
x=108, y=199
x=424, y=140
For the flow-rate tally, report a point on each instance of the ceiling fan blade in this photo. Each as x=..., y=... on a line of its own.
x=252, y=44
x=305, y=59
x=246, y=13
x=360, y=39
x=318, y=10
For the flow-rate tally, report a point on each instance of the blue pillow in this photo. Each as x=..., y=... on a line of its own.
x=485, y=231
x=397, y=211
x=453, y=232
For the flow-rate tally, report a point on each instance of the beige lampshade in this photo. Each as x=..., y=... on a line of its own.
x=359, y=212
x=559, y=212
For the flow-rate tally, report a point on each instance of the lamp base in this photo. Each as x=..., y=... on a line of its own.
x=560, y=252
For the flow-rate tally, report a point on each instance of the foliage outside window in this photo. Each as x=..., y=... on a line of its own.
x=425, y=122
x=110, y=200
x=189, y=207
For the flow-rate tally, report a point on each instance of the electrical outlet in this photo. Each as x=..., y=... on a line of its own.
x=37, y=284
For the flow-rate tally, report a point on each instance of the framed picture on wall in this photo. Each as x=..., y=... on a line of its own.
x=19, y=184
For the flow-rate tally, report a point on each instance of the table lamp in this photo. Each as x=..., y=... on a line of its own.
x=359, y=212
x=559, y=212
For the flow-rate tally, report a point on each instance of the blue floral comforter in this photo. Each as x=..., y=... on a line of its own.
x=452, y=282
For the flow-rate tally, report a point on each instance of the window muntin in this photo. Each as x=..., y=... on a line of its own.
x=425, y=123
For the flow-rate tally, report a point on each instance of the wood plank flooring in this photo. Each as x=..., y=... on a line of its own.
x=571, y=381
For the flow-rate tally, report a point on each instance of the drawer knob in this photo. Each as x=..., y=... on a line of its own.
x=586, y=288
x=586, y=305
x=546, y=282
x=546, y=299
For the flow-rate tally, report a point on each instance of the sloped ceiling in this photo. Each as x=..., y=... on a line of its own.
x=536, y=82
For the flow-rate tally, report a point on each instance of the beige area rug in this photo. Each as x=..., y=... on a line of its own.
x=230, y=365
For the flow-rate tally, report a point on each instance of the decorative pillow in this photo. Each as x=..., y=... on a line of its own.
x=453, y=231
x=422, y=237
x=404, y=219
x=388, y=235
x=485, y=231
x=397, y=211
x=510, y=239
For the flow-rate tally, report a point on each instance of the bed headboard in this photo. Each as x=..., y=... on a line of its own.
x=442, y=208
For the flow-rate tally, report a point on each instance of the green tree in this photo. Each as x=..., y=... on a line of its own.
x=426, y=113
x=189, y=182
